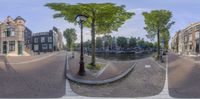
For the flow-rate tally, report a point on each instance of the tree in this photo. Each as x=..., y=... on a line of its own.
x=165, y=35
x=70, y=36
x=108, y=41
x=132, y=42
x=103, y=18
x=156, y=22
x=150, y=45
x=141, y=43
x=99, y=42
x=122, y=42
x=87, y=44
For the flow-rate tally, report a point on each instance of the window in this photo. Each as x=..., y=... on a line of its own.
x=190, y=30
x=44, y=46
x=42, y=39
x=49, y=39
x=12, y=33
x=198, y=27
x=197, y=35
x=190, y=37
x=185, y=39
x=36, y=40
x=50, y=46
x=12, y=46
x=36, y=47
x=8, y=32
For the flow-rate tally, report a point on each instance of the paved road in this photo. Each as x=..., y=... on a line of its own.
x=39, y=79
x=184, y=77
x=140, y=82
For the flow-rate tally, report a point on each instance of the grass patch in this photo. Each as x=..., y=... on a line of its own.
x=96, y=67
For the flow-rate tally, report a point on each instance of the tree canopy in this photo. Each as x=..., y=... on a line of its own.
x=70, y=36
x=108, y=16
x=122, y=42
x=99, y=42
x=132, y=42
x=157, y=21
x=103, y=18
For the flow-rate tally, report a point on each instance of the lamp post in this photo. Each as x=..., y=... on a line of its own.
x=80, y=19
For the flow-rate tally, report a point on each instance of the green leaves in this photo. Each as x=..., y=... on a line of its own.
x=132, y=42
x=99, y=42
x=103, y=18
x=70, y=36
x=122, y=42
x=108, y=16
x=157, y=20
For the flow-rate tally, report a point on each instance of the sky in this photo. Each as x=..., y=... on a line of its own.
x=40, y=18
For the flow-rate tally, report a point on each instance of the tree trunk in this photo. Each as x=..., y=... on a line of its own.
x=93, y=42
x=158, y=37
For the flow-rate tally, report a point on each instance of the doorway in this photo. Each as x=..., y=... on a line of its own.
x=197, y=47
x=4, y=47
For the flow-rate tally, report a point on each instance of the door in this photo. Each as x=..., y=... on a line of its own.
x=4, y=47
x=19, y=48
x=197, y=47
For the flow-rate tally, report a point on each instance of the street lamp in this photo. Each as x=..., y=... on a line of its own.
x=80, y=19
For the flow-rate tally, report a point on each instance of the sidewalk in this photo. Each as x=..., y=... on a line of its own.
x=194, y=58
x=142, y=82
x=112, y=70
x=26, y=59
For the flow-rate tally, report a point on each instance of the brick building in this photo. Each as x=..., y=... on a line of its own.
x=12, y=36
x=187, y=40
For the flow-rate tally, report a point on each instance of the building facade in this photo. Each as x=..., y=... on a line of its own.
x=12, y=36
x=28, y=40
x=47, y=41
x=187, y=40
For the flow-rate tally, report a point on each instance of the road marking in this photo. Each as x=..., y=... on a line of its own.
x=147, y=66
x=164, y=94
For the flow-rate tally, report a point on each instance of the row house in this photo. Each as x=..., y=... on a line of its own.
x=175, y=42
x=47, y=41
x=188, y=40
x=12, y=36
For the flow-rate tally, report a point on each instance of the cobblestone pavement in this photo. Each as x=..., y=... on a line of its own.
x=147, y=79
x=183, y=77
x=110, y=70
x=41, y=79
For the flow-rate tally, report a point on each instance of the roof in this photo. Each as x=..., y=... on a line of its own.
x=20, y=18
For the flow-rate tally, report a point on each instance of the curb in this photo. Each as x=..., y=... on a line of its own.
x=98, y=82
